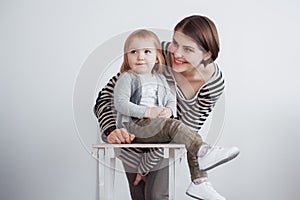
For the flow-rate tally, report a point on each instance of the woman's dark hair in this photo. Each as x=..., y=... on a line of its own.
x=203, y=31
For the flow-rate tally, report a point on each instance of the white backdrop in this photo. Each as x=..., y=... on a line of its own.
x=44, y=44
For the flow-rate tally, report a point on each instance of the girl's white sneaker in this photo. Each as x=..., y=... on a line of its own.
x=211, y=157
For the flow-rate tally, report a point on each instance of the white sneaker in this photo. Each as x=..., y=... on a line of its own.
x=203, y=191
x=213, y=156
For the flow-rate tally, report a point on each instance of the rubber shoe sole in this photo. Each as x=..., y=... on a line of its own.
x=222, y=161
x=193, y=196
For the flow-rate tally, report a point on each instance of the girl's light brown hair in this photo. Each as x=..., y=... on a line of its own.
x=204, y=32
x=149, y=35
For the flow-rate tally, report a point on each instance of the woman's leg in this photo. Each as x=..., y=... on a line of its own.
x=156, y=186
x=136, y=192
x=157, y=182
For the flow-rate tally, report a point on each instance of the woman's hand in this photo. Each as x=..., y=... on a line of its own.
x=120, y=136
x=165, y=113
x=138, y=179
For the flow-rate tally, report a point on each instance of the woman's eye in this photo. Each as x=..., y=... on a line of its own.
x=175, y=43
x=188, y=49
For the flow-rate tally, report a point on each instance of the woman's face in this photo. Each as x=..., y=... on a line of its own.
x=185, y=53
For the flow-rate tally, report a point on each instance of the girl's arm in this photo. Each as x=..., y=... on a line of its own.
x=122, y=96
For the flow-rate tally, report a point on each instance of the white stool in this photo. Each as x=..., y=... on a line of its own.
x=106, y=162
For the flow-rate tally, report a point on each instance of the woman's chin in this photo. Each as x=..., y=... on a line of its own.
x=177, y=68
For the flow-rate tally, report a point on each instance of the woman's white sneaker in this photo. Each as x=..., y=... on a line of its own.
x=203, y=191
x=210, y=157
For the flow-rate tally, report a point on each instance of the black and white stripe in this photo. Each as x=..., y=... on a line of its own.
x=192, y=112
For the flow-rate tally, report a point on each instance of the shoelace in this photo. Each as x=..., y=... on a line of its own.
x=216, y=147
x=210, y=186
x=207, y=149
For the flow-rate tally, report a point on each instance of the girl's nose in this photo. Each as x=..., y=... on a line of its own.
x=140, y=56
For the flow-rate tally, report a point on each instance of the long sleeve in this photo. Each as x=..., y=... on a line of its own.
x=149, y=160
x=142, y=159
x=169, y=98
x=122, y=102
x=209, y=96
x=104, y=107
x=105, y=112
x=122, y=97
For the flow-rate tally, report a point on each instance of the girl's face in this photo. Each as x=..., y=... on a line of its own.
x=185, y=53
x=141, y=55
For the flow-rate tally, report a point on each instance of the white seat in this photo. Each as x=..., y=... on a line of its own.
x=106, y=162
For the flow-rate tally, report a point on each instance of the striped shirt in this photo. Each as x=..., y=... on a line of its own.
x=192, y=112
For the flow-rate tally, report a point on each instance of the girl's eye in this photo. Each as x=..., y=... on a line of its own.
x=133, y=51
x=147, y=51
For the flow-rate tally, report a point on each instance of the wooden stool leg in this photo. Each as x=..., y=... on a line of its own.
x=106, y=166
x=110, y=160
x=100, y=173
x=171, y=174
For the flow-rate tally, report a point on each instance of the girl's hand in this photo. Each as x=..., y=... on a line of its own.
x=153, y=112
x=165, y=113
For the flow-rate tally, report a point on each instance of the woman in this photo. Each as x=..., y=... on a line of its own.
x=197, y=82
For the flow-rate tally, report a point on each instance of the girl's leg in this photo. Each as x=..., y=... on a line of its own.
x=163, y=130
x=194, y=167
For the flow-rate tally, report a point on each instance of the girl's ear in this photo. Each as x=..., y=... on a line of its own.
x=157, y=61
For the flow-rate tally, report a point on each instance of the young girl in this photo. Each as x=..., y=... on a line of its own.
x=145, y=104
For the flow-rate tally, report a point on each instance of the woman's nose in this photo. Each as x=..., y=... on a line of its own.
x=176, y=51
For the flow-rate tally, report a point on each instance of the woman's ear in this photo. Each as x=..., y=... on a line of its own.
x=207, y=56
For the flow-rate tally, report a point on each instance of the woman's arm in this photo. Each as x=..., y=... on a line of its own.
x=106, y=115
x=104, y=108
x=150, y=159
x=209, y=96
